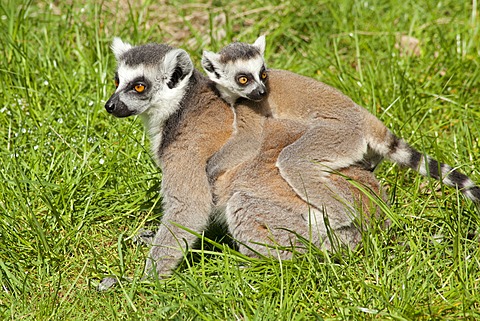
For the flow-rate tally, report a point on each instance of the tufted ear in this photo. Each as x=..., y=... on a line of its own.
x=211, y=64
x=119, y=47
x=260, y=44
x=177, y=65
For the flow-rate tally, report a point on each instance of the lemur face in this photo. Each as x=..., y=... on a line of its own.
x=134, y=91
x=238, y=70
x=148, y=76
x=246, y=78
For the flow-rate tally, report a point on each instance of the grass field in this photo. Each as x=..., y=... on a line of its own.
x=78, y=184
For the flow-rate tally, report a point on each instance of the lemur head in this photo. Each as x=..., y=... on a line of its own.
x=151, y=77
x=238, y=70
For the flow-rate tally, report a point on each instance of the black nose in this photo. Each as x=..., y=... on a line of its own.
x=110, y=106
x=260, y=93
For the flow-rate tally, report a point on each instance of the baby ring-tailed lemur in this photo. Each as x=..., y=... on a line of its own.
x=340, y=133
x=260, y=203
x=188, y=123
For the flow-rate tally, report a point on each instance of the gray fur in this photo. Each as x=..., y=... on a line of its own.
x=188, y=124
x=270, y=214
x=340, y=133
x=149, y=54
x=238, y=51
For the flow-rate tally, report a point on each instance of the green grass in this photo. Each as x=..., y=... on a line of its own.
x=77, y=184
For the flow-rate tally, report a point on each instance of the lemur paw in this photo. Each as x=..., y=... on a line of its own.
x=144, y=237
x=106, y=284
x=213, y=171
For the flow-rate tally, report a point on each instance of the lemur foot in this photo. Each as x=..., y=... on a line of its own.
x=144, y=237
x=106, y=284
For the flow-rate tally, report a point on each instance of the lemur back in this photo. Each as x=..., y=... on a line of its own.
x=187, y=123
x=340, y=134
x=253, y=215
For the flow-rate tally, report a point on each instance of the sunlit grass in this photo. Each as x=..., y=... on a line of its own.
x=77, y=184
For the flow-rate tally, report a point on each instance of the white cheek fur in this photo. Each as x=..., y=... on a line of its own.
x=162, y=103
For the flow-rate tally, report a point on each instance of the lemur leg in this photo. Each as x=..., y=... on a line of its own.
x=241, y=146
x=339, y=194
x=278, y=216
x=236, y=150
x=187, y=211
x=323, y=149
x=346, y=210
x=144, y=237
x=171, y=241
x=263, y=228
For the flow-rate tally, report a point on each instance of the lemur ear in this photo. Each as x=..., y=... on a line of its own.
x=260, y=44
x=119, y=47
x=210, y=63
x=178, y=65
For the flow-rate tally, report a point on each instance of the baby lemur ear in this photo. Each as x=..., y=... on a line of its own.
x=210, y=63
x=177, y=64
x=119, y=47
x=260, y=44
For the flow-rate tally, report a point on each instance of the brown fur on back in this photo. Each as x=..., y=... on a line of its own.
x=256, y=184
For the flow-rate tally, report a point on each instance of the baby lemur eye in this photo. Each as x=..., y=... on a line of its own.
x=242, y=80
x=139, y=88
x=116, y=83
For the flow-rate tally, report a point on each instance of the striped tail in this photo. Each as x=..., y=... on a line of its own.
x=405, y=155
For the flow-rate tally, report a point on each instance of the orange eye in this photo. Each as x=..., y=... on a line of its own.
x=242, y=80
x=264, y=75
x=139, y=88
x=116, y=83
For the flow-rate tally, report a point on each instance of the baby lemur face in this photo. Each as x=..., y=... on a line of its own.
x=238, y=70
x=148, y=76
